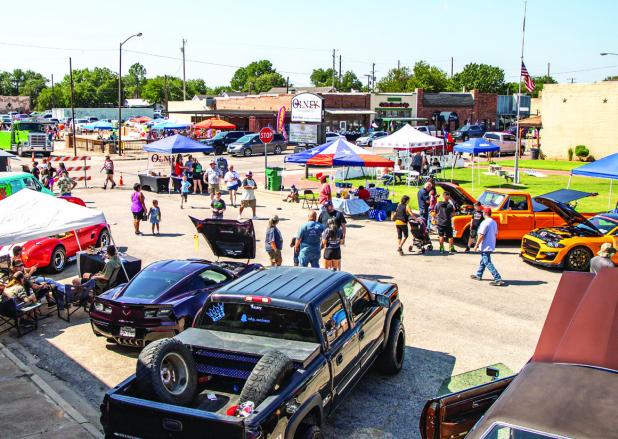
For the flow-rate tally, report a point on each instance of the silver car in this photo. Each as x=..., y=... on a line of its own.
x=251, y=144
x=505, y=141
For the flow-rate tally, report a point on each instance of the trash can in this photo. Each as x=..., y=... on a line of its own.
x=535, y=153
x=273, y=179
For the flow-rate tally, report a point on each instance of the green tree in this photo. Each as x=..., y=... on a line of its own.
x=156, y=89
x=611, y=78
x=196, y=87
x=539, y=82
x=134, y=81
x=322, y=77
x=96, y=87
x=257, y=77
x=396, y=80
x=482, y=77
x=430, y=78
x=349, y=81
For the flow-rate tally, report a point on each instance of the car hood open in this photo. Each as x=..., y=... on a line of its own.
x=228, y=238
x=567, y=213
x=459, y=195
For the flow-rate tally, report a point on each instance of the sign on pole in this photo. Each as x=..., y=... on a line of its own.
x=266, y=136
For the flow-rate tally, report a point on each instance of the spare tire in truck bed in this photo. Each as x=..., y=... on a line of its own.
x=166, y=369
x=268, y=373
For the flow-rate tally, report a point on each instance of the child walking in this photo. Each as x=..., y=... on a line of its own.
x=217, y=206
x=155, y=216
x=185, y=185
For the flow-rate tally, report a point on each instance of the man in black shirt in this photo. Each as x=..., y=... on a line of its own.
x=423, y=201
x=444, y=212
x=330, y=212
x=475, y=222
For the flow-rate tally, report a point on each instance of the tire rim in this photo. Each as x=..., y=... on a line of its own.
x=174, y=373
x=104, y=239
x=399, y=350
x=578, y=258
x=247, y=152
x=58, y=260
x=277, y=150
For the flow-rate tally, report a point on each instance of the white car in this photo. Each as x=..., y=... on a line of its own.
x=368, y=139
x=505, y=141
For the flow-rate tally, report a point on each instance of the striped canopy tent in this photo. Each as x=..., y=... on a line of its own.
x=408, y=138
x=339, y=152
x=215, y=123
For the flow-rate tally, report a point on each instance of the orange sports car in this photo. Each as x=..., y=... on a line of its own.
x=573, y=245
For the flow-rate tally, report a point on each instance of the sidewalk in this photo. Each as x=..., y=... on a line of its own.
x=32, y=409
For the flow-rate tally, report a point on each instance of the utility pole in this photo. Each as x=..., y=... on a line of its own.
x=398, y=65
x=373, y=76
x=451, y=66
x=339, y=68
x=184, y=78
x=334, y=71
x=571, y=80
x=165, y=91
x=72, y=107
x=287, y=85
x=548, y=64
x=53, y=97
x=368, y=82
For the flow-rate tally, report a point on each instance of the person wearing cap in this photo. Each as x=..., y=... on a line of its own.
x=325, y=191
x=603, y=259
x=212, y=177
x=330, y=212
x=486, y=240
x=108, y=167
x=247, y=199
x=35, y=170
x=232, y=182
x=274, y=242
x=101, y=279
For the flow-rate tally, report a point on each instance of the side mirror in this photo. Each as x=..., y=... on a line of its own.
x=383, y=301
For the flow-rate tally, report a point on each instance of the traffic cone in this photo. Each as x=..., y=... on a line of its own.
x=33, y=157
x=121, y=182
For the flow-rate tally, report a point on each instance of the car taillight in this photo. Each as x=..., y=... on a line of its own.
x=257, y=299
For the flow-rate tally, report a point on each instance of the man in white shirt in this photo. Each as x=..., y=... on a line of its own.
x=247, y=199
x=212, y=178
x=232, y=183
x=487, y=232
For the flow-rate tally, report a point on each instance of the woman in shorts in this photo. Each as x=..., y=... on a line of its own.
x=331, y=243
x=197, y=176
x=138, y=206
x=402, y=216
x=232, y=183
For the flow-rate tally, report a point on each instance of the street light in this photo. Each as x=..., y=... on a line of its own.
x=120, y=93
x=608, y=53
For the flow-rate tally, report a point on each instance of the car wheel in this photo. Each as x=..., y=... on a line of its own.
x=277, y=150
x=247, y=152
x=267, y=374
x=167, y=369
x=391, y=359
x=104, y=239
x=309, y=432
x=578, y=259
x=58, y=260
x=218, y=150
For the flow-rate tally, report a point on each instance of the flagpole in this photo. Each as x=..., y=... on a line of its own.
x=521, y=62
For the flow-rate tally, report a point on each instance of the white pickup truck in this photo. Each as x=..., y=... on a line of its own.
x=428, y=129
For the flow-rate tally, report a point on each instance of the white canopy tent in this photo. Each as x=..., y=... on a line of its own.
x=408, y=138
x=29, y=215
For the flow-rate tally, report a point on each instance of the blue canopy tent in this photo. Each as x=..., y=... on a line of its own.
x=99, y=125
x=177, y=144
x=170, y=125
x=474, y=147
x=604, y=168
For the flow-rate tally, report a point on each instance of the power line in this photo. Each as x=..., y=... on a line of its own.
x=34, y=46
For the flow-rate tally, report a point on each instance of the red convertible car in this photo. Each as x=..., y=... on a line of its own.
x=53, y=252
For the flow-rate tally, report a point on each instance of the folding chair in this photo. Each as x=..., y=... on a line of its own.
x=309, y=199
x=12, y=315
x=111, y=282
x=72, y=299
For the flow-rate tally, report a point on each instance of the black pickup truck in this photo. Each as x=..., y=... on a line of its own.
x=270, y=355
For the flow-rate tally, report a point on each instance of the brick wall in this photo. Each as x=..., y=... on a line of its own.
x=484, y=108
x=258, y=103
x=347, y=100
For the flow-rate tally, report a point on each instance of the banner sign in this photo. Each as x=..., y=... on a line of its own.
x=281, y=120
x=306, y=107
x=303, y=133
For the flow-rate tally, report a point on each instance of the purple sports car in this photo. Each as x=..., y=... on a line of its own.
x=163, y=299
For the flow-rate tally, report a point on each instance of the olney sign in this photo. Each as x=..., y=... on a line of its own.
x=307, y=107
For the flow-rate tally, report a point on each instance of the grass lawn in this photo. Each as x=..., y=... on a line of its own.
x=551, y=165
x=535, y=185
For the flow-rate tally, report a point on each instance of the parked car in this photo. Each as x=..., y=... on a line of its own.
x=572, y=245
x=505, y=141
x=12, y=182
x=79, y=123
x=53, y=253
x=568, y=389
x=515, y=211
x=163, y=299
x=221, y=141
x=292, y=341
x=332, y=136
x=251, y=144
x=5, y=119
x=428, y=129
x=467, y=131
x=369, y=138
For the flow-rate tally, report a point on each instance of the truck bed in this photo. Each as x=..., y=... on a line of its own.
x=301, y=352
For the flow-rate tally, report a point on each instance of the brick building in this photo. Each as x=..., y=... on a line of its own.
x=456, y=109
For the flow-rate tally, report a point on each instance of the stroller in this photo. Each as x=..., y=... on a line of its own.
x=420, y=235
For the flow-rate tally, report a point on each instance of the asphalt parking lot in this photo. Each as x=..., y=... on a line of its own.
x=453, y=324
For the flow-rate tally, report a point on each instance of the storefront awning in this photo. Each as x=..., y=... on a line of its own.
x=348, y=111
x=406, y=119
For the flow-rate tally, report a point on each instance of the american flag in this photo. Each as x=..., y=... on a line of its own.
x=528, y=81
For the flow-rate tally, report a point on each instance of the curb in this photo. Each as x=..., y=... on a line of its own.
x=52, y=394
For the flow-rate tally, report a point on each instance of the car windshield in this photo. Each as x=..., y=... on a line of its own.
x=506, y=432
x=220, y=135
x=32, y=127
x=246, y=139
x=491, y=199
x=149, y=284
x=258, y=319
x=509, y=137
x=464, y=128
x=603, y=223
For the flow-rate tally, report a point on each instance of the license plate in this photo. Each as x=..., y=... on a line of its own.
x=126, y=331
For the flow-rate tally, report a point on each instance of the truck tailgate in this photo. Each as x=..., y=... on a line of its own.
x=129, y=417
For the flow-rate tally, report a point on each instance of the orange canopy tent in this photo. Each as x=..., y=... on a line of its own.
x=214, y=123
x=141, y=119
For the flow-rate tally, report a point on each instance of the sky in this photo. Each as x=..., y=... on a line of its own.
x=298, y=36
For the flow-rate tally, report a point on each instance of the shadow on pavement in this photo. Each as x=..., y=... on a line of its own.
x=168, y=235
x=375, y=276
x=394, y=402
x=525, y=282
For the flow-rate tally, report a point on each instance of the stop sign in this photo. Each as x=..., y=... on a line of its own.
x=266, y=135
